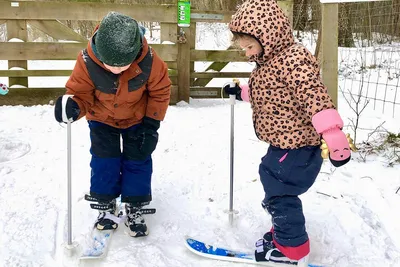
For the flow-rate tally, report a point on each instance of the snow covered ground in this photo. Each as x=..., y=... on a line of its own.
x=351, y=212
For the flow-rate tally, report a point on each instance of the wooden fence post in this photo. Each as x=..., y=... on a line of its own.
x=183, y=63
x=17, y=29
x=192, y=43
x=168, y=33
x=329, y=47
x=287, y=7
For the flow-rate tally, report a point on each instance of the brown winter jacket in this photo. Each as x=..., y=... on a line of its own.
x=285, y=87
x=121, y=106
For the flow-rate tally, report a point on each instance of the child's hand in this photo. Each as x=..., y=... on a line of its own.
x=147, y=136
x=326, y=150
x=335, y=144
x=241, y=92
x=71, y=110
x=233, y=89
x=338, y=146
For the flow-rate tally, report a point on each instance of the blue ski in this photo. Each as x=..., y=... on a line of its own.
x=218, y=253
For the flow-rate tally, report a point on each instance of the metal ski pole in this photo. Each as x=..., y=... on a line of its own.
x=70, y=246
x=232, y=100
x=232, y=146
x=69, y=194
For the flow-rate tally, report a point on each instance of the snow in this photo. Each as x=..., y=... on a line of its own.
x=351, y=212
x=15, y=40
x=17, y=86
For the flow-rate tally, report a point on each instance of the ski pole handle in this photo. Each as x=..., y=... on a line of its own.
x=232, y=98
x=233, y=84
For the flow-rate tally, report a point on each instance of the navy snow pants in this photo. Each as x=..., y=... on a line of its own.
x=116, y=173
x=285, y=174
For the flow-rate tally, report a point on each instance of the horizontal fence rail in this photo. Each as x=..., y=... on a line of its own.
x=64, y=51
x=350, y=30
x=84, y=11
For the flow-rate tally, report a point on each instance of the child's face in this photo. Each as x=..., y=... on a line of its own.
x=116, y=70
x=251, y=46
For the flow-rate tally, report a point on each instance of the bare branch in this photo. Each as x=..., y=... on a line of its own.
x=367, y=177
x=376, y=130
x=326, y=195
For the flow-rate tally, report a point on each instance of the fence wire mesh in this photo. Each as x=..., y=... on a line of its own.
x=369, y=49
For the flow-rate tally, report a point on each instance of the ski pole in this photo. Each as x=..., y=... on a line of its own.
x=70, y=246
x=232, y=100
x=232, y=148
x=69, y=194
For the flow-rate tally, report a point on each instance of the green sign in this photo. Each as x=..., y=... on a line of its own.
x=183, y=13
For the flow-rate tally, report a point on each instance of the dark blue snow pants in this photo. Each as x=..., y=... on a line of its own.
x=285, y=174
x=116, y=173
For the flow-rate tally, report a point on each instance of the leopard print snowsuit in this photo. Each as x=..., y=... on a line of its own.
x=285, y=87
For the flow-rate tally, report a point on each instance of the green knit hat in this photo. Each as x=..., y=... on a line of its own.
x=118, y=40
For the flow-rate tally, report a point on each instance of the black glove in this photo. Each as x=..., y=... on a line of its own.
x=71, y=109
x=147, y=136
x=235, y=90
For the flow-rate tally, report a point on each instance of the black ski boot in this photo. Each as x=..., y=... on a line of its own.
x=135, y=221
x=108, y=218
x=267, y=251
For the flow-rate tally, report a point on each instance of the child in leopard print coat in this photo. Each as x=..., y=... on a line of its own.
x=291, y=111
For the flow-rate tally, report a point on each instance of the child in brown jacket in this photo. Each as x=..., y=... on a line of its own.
x=291, y=111
x=122, y=87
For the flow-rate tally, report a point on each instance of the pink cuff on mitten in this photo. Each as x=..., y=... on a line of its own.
x=245, y=92
x=327, y=119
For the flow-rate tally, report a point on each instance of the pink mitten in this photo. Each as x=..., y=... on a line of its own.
x=244, y=94
x=328, y=123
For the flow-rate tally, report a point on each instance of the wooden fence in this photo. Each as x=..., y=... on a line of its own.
x=179, y=55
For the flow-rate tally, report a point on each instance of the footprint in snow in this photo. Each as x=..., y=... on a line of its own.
x=10, y=150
